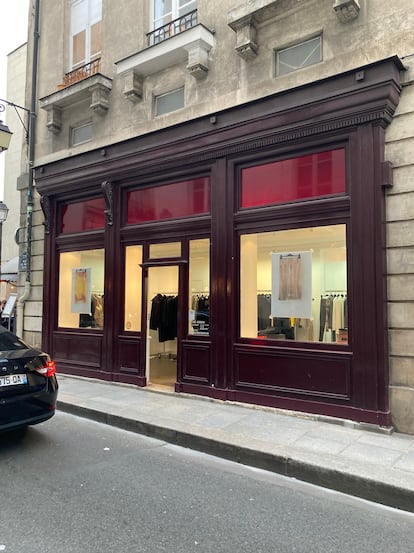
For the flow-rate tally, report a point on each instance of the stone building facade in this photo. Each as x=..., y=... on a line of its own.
x=203, y=99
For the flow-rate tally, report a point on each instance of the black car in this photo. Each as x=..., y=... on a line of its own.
x=28, y=385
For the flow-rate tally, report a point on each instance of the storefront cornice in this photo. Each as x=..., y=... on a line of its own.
x=367, y=94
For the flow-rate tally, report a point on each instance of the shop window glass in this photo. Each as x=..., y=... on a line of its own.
x=82, y=216
x=133, y=288
x=170, y=201
x=81, y=289
x=310, y=176
x=167, y=249
x=199, y=287
x=293, y=285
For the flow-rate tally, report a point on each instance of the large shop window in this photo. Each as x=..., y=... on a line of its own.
x=169, y=201
x=199, y=287
x=81, y=289
x=83, y=216
x=299, y=178
x=133, y=288
x=293, y=285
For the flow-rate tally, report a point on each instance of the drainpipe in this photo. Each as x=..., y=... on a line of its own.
x=30, y=187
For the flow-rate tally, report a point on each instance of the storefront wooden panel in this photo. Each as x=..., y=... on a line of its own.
x=315, y=373
x=78, y=353
x=129, y=369
x=195, y=364
x=129, y=351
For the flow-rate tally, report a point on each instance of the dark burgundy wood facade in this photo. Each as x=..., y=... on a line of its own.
x=350, y=111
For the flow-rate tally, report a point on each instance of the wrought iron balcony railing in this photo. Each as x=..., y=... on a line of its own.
x=83, y=72
x=172, y=28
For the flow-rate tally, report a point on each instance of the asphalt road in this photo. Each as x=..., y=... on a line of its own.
x=72, y=485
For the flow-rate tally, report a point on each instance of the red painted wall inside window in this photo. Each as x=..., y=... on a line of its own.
x=170, y=201
x=310, y=176
x=81, y=216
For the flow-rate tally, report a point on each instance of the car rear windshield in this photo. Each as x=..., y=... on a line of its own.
x=9, y=341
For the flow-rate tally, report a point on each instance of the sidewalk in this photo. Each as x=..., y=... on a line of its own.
x=374, y=465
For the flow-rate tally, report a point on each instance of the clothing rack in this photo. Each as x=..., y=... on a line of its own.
x=335, y=291
x=286, y=255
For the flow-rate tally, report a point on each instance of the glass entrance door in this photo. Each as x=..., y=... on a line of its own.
x=162, y=330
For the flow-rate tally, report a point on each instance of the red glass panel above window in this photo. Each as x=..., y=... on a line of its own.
x=309, y=176
x=170, y=201
x=81, y=216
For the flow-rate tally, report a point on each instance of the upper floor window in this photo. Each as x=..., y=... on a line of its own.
x=85, y=31
x=81, y=134
x=168, y=10
x=171, y=101
x=299, y=55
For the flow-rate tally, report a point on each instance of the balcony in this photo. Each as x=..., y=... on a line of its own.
x=179, y=41
x=173, y=28
x=81, y=73
x=83, y=83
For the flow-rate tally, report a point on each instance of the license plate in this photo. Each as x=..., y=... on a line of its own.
x=13, y=379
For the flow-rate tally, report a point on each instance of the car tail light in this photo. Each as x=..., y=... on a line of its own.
x=48, y=370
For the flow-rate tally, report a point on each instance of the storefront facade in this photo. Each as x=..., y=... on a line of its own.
x=239, y=256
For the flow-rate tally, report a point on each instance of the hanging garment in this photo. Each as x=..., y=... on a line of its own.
x=263, y=311
x=290, y=277
x=163, y=316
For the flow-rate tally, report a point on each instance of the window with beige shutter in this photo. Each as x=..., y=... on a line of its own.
x=85, y=31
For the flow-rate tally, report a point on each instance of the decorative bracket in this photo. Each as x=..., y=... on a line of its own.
x=45, y=205
x=346, y=10
x=197, y=64
x=54, y=119
x=107, y=190
x=386, y=174
x=133, y=89
x=246, y=43
x=100, y=99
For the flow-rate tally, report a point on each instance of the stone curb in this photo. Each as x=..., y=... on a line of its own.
x=357, y=486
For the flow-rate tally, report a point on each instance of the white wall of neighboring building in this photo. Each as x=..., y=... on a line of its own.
x=16, y=79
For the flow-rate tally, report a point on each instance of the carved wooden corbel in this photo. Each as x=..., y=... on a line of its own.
x=107, y=190
x=45, y=205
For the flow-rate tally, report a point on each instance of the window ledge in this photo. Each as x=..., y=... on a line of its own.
x=192, y=45
x=96, y=88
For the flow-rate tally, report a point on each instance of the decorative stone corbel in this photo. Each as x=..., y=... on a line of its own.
x=54, y=119
x=107, y=191
x=246, y=43
x=346, y=10
x=133, y=87
x=197, y=64
x=100, y=99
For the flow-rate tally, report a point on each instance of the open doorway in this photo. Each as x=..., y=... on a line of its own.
x=162, y=315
